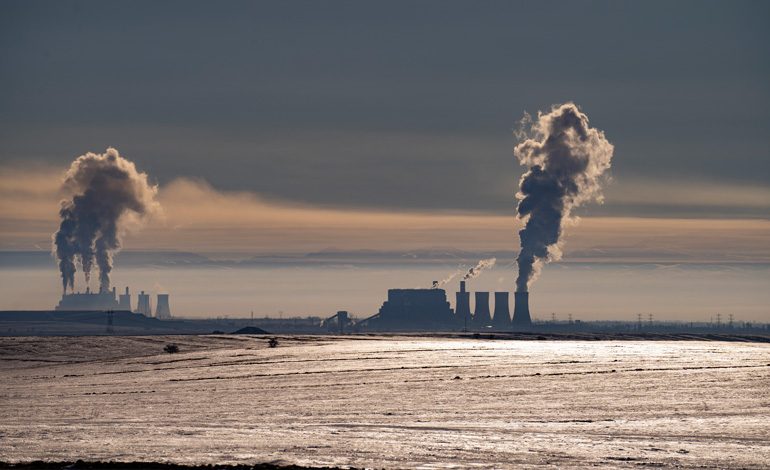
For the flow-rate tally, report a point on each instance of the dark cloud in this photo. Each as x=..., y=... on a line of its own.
x=266, y=95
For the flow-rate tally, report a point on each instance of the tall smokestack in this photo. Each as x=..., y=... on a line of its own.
x=502, y=316
x=481, y=317
x=521, y=309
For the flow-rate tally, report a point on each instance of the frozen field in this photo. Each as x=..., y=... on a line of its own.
x=386, y=402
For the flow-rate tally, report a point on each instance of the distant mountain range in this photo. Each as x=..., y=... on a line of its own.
x=327, y=257
x=334, y=257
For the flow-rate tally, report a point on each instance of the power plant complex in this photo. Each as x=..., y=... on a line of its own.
x=428, y=309
x=107, y=300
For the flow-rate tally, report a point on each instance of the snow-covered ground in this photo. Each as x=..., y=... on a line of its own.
x=386, y=402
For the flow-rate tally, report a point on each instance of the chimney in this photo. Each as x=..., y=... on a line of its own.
x=481, y=316
x=162, y=309
x=463, y=306
x=521, y=309
x=502, y=317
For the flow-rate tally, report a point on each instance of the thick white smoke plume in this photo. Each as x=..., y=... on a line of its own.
x=566, y=160
x=104, y=191
x=476, y=270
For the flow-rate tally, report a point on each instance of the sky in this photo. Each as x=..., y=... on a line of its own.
x=294, y=127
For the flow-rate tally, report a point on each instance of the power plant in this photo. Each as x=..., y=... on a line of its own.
x=404, y=309
x=108, y=301
x=428, y=309
x=103, y=300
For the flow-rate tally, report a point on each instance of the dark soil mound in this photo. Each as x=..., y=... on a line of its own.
x=251, y=330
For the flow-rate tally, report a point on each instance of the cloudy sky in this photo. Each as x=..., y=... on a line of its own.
x=396, y=105
x=297, y=126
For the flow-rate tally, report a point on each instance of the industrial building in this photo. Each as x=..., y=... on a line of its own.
x=428, y=309
x=108, y=301
x=88, y=301
x=414, y=309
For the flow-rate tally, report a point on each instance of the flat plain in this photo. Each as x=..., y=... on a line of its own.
x=386, y=401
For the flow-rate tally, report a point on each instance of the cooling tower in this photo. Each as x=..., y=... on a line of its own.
x=162, y=310
x=124, y=301
x=521, y=309
x=481, y=316
x=502, y=318
x=463, y=306
x=143, y=304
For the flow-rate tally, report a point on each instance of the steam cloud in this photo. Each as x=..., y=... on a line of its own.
x=566, y=160
x=476, y=270
x=105, y=193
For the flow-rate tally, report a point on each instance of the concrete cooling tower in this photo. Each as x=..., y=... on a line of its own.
x=481, y=317
x=162, y=309
x=463, y=305
x=521, y=309
x=143, y=305
x=502, y=317
x=124, y=301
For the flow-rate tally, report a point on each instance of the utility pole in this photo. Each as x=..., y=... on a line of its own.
x=731, y=321
x=639, y=321
x=719, y=320
x=110, y=329
x=649, y=318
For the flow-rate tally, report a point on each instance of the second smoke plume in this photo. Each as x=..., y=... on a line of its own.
x=104, y=190
x=566, y=159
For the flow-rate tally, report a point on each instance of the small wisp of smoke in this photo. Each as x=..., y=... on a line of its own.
x=481, y=266
x=567, y=160
x=446, y=280
x=104, y=191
